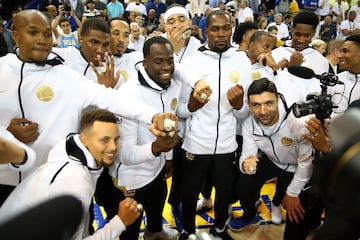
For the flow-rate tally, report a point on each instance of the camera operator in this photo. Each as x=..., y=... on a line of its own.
x=67, y=37
x=349, y=60
x=341, y=214
x=66, y=11
x=287, y=155
x=319, y=134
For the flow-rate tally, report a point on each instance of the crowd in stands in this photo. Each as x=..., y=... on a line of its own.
x=338, y=19
x=220, y=66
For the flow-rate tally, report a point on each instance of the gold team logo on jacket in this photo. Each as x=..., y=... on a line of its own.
x=234, y=77
x=124, y=74
x=189, y=156
x=44, y=93
x=173, y=104
x=287, y=141
x=255, y=75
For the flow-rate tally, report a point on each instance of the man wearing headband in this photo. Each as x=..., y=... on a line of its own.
x=178, y=32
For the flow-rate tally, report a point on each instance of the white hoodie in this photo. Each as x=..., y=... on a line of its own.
x=63, y=175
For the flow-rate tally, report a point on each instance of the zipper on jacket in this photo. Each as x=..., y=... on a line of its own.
x=352, y=89
x=218, y=107
x=273, y=148
x=162, y=102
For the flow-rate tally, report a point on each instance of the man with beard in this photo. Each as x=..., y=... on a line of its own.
x=144, y=161
x=125, y=59
x=72, y=168
x=45, y=99
x=210, y=137
x=274, y=146
x=177, y=26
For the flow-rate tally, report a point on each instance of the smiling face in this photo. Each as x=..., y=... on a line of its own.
x=33, y=35
x=101, y=139
x=93, y=43
x=219, y=32
x=302, y=35
x=349, y=57
x=159, y=64
x=264, y=107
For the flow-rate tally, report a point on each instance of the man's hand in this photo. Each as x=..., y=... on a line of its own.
x=235, y=96
x=249, y=165
x=11, y=153
x=128, y=211
x=164, y=144
x=178, y=37
x=157, y=127
x=202, y=91
x=196, y=102
x=61, y=10
x=318, y=135
x=24, y=130
x=296, y=59
x=105, y=73
x=294, y=209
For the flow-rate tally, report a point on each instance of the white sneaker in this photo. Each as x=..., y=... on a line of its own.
x=276, y=214
x=164, y=234
x=204, y=204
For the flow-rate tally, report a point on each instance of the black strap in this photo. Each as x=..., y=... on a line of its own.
x=144, y=83
x=287, y=109
x=73, y=151
x=203, y=48
x=58, y=60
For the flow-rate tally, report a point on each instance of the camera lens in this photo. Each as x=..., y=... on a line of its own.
x=303, y=109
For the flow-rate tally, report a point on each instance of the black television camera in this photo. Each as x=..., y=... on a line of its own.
x=337, y=175
x=318, y=104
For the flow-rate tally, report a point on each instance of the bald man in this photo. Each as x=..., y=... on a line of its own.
x=44, y=100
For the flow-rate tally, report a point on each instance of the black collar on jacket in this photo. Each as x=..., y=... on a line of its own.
x=57, y=60
x=203, y=48
x=144, y=83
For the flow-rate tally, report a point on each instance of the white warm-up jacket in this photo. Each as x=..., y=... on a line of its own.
x=212, y=128
x=65, y=173
x=285, y=146
x=136, y=165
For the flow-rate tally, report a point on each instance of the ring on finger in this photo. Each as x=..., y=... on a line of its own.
x=102, y=69
x=183, y=36
x=251, y=169
x=203, y=96
x=139, y=207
